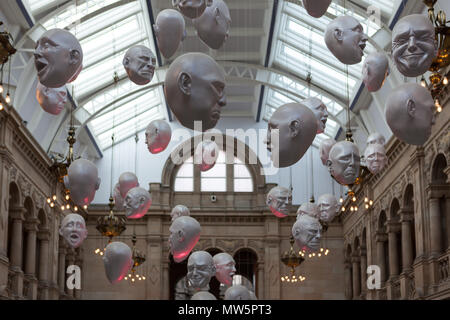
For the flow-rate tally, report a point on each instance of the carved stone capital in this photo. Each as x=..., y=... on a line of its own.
x=381, y=237
x=44, y=235
x=393, y=227
x=406, y=215
x=31, y=225
x=17, y=213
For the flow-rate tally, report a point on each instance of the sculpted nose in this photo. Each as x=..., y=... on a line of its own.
x=412, y=44
x=223, y=101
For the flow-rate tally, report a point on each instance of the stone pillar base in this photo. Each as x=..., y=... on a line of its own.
x=17, y=283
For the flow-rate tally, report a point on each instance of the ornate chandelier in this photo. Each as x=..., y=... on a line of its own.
x=109, y=225
x=138, y=259
x=292, y=260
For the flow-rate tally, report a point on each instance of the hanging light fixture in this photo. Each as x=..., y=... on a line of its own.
x=138, y=259
x=292, y=260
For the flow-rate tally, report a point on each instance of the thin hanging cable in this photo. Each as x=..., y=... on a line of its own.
x=348, y=99
x=312, y=172
x=309, y=75
x=290, y=180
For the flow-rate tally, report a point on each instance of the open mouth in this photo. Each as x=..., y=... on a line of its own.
x=74, y=237
x=362, y=46
x=324, y=121
x=40, y=66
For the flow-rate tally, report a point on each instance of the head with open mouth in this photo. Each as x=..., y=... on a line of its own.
x=200, y=269
x=320, y=112
x=307, y=233
x=195, y=90
x=58, y=57
x=73, y=229
x=346, y=40
x=139, y=63
x=52, y=100
x=344, y=162
x=225, y=268
x=413, y=45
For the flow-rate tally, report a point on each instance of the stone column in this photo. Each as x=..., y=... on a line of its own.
x=260, y=293
x=348, y=290
x=380, y=239
x=392, y=230
x=70, y=260
x=15, y=263
x=30, y=266
x=435, y=225
x=44, y=237
x=62, y=269
x=406, y=218
x=356, y=277
x=363, y=273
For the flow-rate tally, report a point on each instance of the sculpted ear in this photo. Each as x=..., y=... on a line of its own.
x=294, y=128
x=184, y=83
x=75, y=56
x=97, y=184
x=338, y=34
x=329, y=164
x=180, y=234
x=217, y=14
x=411, y=108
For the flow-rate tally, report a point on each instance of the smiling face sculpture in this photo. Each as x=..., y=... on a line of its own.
x=139, y=63
x=213, y=25
x=117, y=261
x=200, y=269
x=278, y=200
x=225, y=268
x=307, y=233
x=184, y=235
x=157, y=136
x=58, y=56
x=73, y=229
x=375, y=71
x=206, y=154
x=192, y=8
x=413, y=45
x=170, y=31
x=320, y=112
x=346, y=40
x=137, y=202
x=195, y=90
x=344, y=162
x=294, y=128
x=52, y=100
x=410, y=113
x=375, y=157
x=82, y=181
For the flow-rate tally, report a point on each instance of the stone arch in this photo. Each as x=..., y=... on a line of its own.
x=43, y=220
x=356, y=245
x=394, y=209
x=438, y=175
x=381, y=222
x=408, y=197
x=247, y=264
x=30, y=212
x=15, y=197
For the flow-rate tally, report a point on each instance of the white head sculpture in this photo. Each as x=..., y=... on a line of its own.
x=195, y=90
x=178, y=211
x=203, y=295
x=297, y=127
x=82, y=181
x=127, y=181
x=200, y=269
x=137, y=202
x=52, y=100
x=157, y=136
x=58, y=56
x=310, y=209
x=324, y=149
x=375, y=70
x=192, y=8
x=316, y=8
x=278, y=200
x=344, y=162
x=184, y=235
x=328, y=207
x=375, y=157
x=320, y=112
x=225, y=268
x=118, y=200
x=376, y=138
x=237, y=292
x=345, y=39
x=206, y=154
x=307, y=232
x=413, y=45
x=410, y=113
x=139, y=63
x=117, y=260
x=214, y=24
x=170, y=31
x=73, y=229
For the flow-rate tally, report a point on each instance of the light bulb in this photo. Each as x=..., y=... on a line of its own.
x=319, y=255
x=321, y=249
x=143, y=278
x=351, y=209
x=445, y=81
x=67, y=197
x=126, y=278
x=356, y=208
x=49, y=200
x=423, y=83
x=367, y=206
x=8, y=98
x=439, y=109
x=101, y=253
x=62, y=208
x=75, y=208
x=366, y=199
x=85, y=207
x=1, y=88
x=1, y=106
x=68, y=206
x=343, y=209
x=341, y=200
x=354, y=199
x=52, y=204
x=54, y=197
x=370, y=202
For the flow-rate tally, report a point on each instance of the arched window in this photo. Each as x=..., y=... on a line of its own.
x=219, y=178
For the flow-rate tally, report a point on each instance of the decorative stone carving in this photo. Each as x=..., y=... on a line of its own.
x=12, y=174
x=230, y=245
x=24, y=185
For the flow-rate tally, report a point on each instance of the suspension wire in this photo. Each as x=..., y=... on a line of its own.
x=312, y=172
x=309, y=74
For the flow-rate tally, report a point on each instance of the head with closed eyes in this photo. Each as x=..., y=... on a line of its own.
x=139, y=63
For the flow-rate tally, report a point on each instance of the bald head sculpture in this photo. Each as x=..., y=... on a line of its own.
x=170, y=31
x=320, y=112
x=157, y=136
x=192, y=8
x=297, y=127
x=409, y=113
x=214, y=24
x=413, y=45
x=73, y=229
x=178, y=211
x=307, y=233
x=225, y=267
x=310, y=209
x=316, y=8
x=376, y=137
x=137, y=202
x=206, y=154
x=52, y=100
x=195, y=90
x=324, y=149
x=200, y=269
x=278, y=200
x=375, y=157
x=82, y=181
x=344, y=162
x=117, y=261
x=237, y=292
x=345, y=39
x=375, y=71
x=139, y=63
x=203, y=295
x=57, y=57
x=184, y=235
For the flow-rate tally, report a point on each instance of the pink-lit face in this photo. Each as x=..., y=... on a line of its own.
x=184, y=235
x=206, y=155
x=225, y=268
x=52, y=100
x=278, y=200
x=82, y=181
x=157, y=136
x=73, y=229
x=137, y=202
